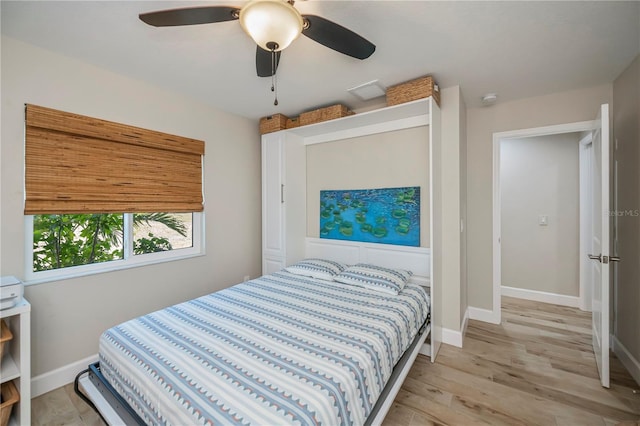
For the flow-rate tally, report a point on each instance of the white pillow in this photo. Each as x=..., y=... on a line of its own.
x=386, y=280
x=317, y=268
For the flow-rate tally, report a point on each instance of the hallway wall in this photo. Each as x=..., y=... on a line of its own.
x=539, y=176
x=626, y=135
x=547, y=110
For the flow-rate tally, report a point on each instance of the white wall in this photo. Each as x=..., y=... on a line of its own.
x=626, y=132
x=464, y=303
x=69, y=315
x=452, y=212
x=559, y=108
x=385, y=160
x=540, y=176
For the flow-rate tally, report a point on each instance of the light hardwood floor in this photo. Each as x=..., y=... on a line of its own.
x=537, y=368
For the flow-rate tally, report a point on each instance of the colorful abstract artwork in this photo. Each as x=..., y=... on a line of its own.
x=387, y=216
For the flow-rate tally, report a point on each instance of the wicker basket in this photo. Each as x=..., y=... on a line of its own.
x=324, y=114
x=5, y=336
x=419, y=88
x=273, y=123
x=10, y=396
x=293, y=122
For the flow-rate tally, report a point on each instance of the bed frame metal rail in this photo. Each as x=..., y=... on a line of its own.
x=112, y=407
x=400, y=372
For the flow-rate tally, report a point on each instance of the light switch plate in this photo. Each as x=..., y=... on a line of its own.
x=543, y=220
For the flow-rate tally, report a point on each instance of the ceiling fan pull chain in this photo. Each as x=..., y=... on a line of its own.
x=275, y=100
x=273, y=74
x=274, y=78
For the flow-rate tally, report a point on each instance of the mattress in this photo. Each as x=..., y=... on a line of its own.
x=280, y=349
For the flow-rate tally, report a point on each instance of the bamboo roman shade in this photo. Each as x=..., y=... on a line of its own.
x=78, y=164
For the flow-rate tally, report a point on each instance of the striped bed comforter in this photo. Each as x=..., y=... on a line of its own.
x=280, y=349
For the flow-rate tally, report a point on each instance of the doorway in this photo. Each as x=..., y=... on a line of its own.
x=583, y=128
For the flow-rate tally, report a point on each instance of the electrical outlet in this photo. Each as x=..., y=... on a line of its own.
x=247, y=278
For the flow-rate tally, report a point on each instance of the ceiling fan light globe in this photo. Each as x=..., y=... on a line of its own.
x=271, y=21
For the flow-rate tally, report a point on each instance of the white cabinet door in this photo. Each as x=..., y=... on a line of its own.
x=284, y=217
x=271, y=265
x=273, y=238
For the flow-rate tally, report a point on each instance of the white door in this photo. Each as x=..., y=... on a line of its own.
x=600, y=254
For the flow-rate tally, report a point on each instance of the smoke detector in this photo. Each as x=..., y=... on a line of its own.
x=489, y=99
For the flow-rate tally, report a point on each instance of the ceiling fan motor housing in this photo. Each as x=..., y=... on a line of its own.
x=272, y=24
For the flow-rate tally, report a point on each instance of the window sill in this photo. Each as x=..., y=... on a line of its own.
x=106, y=267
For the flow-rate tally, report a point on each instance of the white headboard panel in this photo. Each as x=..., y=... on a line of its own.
x=415, y=259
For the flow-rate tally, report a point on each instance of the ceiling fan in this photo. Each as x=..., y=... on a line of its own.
x=273, y=25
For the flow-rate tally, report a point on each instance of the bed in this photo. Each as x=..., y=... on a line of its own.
x=281, y=349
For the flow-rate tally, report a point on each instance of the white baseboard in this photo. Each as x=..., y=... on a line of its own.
x=484, y=315
x=454, y=337
x=541, y=296
x=626, y=358
x=465, y=322
x=59, y=377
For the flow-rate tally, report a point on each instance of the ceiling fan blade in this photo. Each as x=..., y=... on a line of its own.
x=263, y=62
x=337, y=37
x=190, y=16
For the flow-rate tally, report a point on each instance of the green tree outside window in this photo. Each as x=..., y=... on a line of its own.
x=61, y=241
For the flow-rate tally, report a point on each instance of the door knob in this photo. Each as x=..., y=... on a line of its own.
x=598, y=257
x=614, y=259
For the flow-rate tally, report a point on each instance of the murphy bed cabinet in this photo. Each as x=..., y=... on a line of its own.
x=284, y=195
x=284, y=186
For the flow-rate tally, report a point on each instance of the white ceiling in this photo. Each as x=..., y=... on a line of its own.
x=516, y=49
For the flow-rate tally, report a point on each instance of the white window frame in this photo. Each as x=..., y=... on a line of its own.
x=129, y=259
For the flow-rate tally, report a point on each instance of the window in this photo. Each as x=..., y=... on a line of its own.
x=156, y=232
x=70, y=245
x=65, y=240
x=80, y=170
